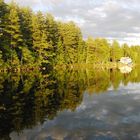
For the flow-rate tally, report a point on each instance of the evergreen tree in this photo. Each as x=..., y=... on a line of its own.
x=71, y=36
x=103, y=51
x=52, y=30
x=15, y=41
x=3, y=16
x=39, y=36
x=25, y=15
x=52, y=37
x=3, y=20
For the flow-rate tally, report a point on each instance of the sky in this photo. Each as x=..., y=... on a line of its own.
x=111, y=19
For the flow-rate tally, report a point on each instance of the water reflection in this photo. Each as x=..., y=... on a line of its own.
x=125, y=69
x=34, y=105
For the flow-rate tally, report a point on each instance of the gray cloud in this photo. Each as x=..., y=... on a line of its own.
x=117, y=19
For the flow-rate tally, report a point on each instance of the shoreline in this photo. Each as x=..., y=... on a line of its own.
x=64, y=67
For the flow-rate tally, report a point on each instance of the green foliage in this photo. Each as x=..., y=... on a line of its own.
x=90, y=50
x=3, y=16
x=28, y=57
x=52, y=30
x=134, y=53
x=4, y=11
x=60, y=53
x=126, y=50
x=13, y=34
x=25, y=16
x=115, y=52
x=39, y=36
x=1, y=60
x=13, y=28
x=98, y=51
x=29, y=38
x=72, y=42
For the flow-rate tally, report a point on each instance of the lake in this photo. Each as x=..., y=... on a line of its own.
x=70, y=104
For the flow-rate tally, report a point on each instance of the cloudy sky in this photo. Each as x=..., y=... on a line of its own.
x=112, y=19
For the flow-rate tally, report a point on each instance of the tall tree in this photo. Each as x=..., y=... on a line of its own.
x=52, y=30
x=3, y=16
x=71, y=36
x=15, y=40
x=126, y=50
x=25, y=15
x=3, y=21
x=39, y=36
x=115, y=52
x=52, y=37
x=91, y=48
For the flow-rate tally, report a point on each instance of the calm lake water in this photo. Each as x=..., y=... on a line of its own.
x=84, y=104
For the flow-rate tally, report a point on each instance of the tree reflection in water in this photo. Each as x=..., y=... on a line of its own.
x=27, y=99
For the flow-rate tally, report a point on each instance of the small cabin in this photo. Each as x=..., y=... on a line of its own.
x=126, y=60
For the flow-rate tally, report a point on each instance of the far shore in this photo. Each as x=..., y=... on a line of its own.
x=109, y=65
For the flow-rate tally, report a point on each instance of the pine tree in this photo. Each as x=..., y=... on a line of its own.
x=3, y=20
x=14, y=35
x=103, y=50
x=25, y=15
x=52, y=37
x=39, y=36
x=52, y=30
x=71, y=36
x=3, y=14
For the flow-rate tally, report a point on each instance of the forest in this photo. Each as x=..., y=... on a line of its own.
x=29, y=38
